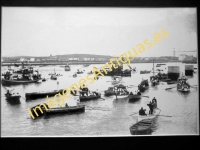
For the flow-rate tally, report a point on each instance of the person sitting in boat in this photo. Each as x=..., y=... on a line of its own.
x=150, y=107
x=138, y=92
x=142, y=112
x=8, y=93
x=66, y=105
x=131, y=93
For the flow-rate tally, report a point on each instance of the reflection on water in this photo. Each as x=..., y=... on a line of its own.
x=112, y=116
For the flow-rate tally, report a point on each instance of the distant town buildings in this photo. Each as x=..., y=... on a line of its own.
x=95, y=58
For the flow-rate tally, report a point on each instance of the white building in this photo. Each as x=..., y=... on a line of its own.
x=32, y=59
x=22, y=59
x=182, y=57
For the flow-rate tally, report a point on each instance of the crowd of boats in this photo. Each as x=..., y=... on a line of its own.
x=120, y=91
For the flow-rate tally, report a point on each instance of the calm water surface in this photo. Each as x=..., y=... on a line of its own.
x=114, y=117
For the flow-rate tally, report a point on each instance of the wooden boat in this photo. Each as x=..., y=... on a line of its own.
x=182, y=86
x=67, y=68
x=144, y=85
x=13, y=82
x=12, y=96
x=35, y=95
x=53, y=77
x=66, y=110
x=134, y=97
x=85, y=65
x=43, y=79
x=90, y=72
x=110, y=91
x=79, y=72
x=161, y=64
x=144, y=72
x=154, y=79
x=91, y=96
x=121, y=91
x=156, y=112
x=142, y=127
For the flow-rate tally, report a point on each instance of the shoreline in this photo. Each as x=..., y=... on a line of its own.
x=90, y=63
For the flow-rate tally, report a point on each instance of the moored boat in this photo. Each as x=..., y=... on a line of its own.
x=13, y=82
x=142, y=127
x=134, y=97
x=121, y=91
x=35, y=95
x=182, y=85
x=110, y=91
x=66, y=110
x=12, y=96
x=144, y=85
x=144, y=72
x=91, y=96
x=67, y=68
x=156, y=112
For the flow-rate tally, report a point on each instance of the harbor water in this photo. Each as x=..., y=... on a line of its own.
x=178, y=116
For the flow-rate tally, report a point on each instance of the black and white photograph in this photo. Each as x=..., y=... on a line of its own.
x=99, y=71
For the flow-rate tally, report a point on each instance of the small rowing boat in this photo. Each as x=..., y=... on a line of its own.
x=182, y=85
x=144, y=85
x=144, y=72
x=156, y=112
x=91, y=96
x=134, y=97
x=12, y=96
x=35, y=95
x=141, y=127
x=110, y=91
x=66, y=110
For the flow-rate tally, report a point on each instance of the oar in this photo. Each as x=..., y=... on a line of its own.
x=170, y=88
x=146, y=96
x=134, y=114
x=193, y=87
x=163, y=115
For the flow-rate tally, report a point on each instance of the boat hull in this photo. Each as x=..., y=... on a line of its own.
x=17, y=97
x=109, y=93
x=144, y=72
x=66, y=110
x=134, y=97
x=36, y=95
x=14, y=82
x=87, y=98
x=141, y=127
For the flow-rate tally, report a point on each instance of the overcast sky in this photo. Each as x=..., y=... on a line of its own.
x=33, y=31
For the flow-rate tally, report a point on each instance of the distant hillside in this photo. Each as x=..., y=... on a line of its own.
x=67, y=56
x=83, y=56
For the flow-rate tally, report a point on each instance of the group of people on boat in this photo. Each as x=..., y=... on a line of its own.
x=85, y=92
x=137, y=92
x=8, y=94
x=152, y=105
x=183, y=84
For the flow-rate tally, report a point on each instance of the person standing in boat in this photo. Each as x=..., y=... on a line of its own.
x=150, y=107
x=154, y=103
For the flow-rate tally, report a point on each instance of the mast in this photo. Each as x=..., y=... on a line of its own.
x=153, y=67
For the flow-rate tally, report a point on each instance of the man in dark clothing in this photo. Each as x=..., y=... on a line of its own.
x=142, y=112
x=150, y=107
x=154, y=99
